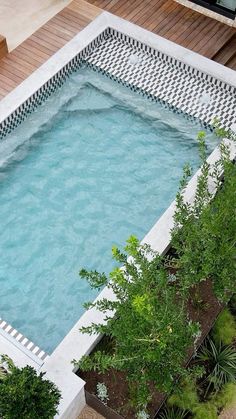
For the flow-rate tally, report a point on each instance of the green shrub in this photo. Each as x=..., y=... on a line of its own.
x=26, y=395
x=151, y=330
x=186, y=397
x=226, y=397
x=204, y=232
x=225, y=328
x=173, y=413
x=205, y=411
x=222, y=364
x=232, y=304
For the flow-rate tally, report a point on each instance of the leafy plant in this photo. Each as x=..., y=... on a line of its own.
x=185, y=397
x=172, y=278
x=198, y=301
x=3, y=373
x=232, y=304
x=205, y=410
x=142, y=414
x=102, y=392
x=204, y=230
x=173, y=413
x=24, y=394
x=226, y=397
x=222, y=364
x=224, y=329
x=150, y=328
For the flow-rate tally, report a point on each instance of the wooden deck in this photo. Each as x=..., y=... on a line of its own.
x=179, y=24
x=167, y=18
x=26, y=58
x=3, y=46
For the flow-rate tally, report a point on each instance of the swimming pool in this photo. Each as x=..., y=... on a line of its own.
x=92, y=165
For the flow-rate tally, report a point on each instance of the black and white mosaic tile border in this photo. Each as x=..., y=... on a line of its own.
x=22, y=340
x=165, y=79
x=146, y=70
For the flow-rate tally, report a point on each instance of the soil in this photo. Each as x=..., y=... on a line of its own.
x=203, y=307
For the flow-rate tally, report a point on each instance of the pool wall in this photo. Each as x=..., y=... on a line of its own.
x=165, y=68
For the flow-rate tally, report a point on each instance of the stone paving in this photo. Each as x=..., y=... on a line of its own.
x=89, y=413
x=228, y=413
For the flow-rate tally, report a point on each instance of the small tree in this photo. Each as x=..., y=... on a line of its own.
x=204, y=234
x=150, y=328
x=25, y=394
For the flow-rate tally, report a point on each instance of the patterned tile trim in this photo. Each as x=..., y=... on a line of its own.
x=146, y=70
x=21, y=339
x=163, y=78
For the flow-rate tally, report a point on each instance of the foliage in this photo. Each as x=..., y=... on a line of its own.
x=3, y=373
x=150, y=329
x=173, y=413
x=204, y=231
x=24, y=394
x=186, y=400
x=226, y=397
x=222, y=364
x=142, y=414
x=185, y=397
x=102, y=392
x=224, y=329
x=198, y=302
x=205, y=410
x=232, y=304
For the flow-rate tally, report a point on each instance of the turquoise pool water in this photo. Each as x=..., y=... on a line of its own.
x=91, y=166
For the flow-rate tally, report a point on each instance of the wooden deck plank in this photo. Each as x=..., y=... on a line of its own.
x=149, y=13
x=170, y=25
x=65, y=20
x=188, y=34
x=85, y=9
x=54, y=33
x=17, y=62
x=135, y=11
x=218, y=40
x=18, y=72
x=232, y=63
x=3, y=46
x=227, y=53
x=32, y=50
x=175, y=22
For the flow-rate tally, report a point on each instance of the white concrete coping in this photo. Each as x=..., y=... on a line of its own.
x=58, y=366
x=20, y=357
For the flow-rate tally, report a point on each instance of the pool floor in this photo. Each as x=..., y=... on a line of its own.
x=93, y=165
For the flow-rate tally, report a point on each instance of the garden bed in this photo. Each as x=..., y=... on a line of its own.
x=203, y=307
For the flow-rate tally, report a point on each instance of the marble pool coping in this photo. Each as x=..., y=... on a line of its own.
x=58, y=365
